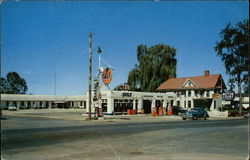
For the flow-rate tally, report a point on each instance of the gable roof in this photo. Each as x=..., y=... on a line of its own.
x=202, y=82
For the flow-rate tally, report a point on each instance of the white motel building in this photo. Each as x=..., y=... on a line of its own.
x=42, y=101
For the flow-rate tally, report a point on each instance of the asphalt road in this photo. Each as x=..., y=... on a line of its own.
x=40, y=138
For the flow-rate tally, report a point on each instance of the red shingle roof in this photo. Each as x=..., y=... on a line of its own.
x=201, y=82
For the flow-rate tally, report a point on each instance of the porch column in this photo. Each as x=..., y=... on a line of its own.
x=153, y=107
x=50, y=105
x=140, y=105
x=134, y=104
x=164, y=103
x=110, y=105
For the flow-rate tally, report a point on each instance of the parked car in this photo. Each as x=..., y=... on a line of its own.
x=178, y=110
x=195, y=113
x=12, y=108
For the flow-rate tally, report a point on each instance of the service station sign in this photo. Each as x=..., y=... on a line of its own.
x=106, y=76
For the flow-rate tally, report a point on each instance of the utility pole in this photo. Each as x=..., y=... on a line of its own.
x=99, y=86
x=90, y=74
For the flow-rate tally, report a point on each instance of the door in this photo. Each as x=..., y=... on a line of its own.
x=147, y=106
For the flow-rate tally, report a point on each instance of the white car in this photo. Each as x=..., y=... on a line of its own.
x=12, y=108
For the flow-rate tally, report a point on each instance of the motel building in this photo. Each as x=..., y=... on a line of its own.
x=22, y=101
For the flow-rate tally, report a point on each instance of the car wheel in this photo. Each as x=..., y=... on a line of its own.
x=205, y=117
x=183, y=118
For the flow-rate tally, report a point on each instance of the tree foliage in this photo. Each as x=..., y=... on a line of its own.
x=233, y=50
x=13, y=84
x=154, y=66
x=122, y=87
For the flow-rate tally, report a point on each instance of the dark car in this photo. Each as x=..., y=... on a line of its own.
x=178, y=110
x=195, y=113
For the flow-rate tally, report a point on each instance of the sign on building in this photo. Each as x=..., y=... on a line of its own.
x=216, y=95
x=228, y=95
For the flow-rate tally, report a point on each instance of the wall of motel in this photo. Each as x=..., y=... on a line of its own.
x=121, y=101
x=42, y=101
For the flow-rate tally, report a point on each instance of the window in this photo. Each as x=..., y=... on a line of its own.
x=202, y=93
x=178, y=93
x=208, y=94
x=28, y=103
x=22, y=103
x=189, y=104
x=178, y=103
x=7, y=103
x=189, y=93
x=196, y=93
x=189, y=84
x=41, y=103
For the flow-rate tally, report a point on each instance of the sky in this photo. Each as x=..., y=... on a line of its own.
x=47, y=42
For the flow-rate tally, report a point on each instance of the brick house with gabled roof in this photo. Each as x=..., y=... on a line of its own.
x=188, y=89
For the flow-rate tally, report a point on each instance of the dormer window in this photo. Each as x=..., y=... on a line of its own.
x=188, y=83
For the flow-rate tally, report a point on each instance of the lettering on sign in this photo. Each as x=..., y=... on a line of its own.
x=107, y=76
x=126, y=94
x=147, y=96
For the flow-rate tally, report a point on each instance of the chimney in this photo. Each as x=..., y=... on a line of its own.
x=206, y=73
x=169, y=76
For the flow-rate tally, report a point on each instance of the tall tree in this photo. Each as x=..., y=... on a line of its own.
x=13, y=84
x=154, y=66
x=233, y=50
x=4, y=85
